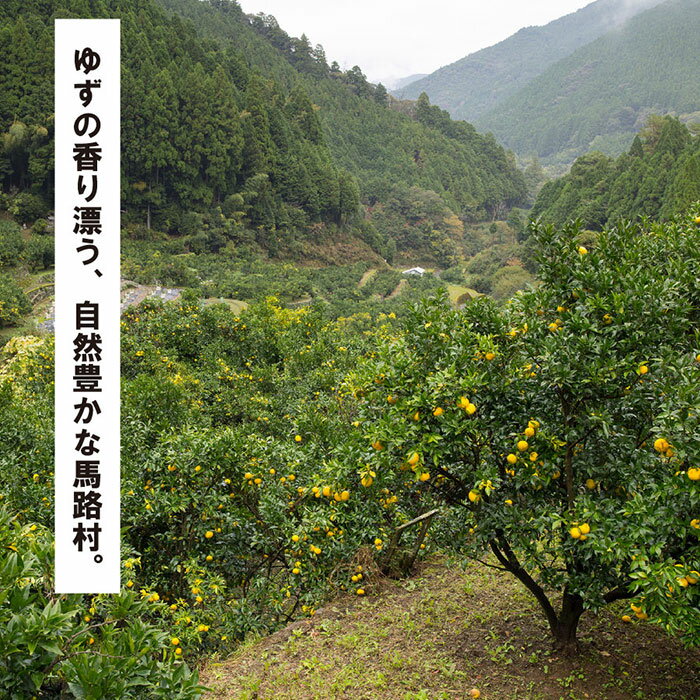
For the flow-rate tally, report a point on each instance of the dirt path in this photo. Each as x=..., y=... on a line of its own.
x=366, y=277
x=399, y=288
x=443, y=632
x=130, y=295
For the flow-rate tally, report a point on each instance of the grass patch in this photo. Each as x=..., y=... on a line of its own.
x=457, y=292
x=236, y=305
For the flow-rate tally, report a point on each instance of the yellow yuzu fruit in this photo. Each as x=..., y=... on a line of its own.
x=661, y=445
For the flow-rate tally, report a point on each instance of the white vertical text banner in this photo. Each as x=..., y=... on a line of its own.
x=87, y=307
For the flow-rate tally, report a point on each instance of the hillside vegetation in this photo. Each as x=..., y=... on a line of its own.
x=269, y=456
x=234, y=132
x=658, y=177
x=383, y=147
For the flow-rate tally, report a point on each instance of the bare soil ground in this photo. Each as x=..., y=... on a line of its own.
x=445, y=631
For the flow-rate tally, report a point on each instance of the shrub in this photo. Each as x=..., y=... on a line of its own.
x=39, y=253
x=569, y=441
x=100, y=647
x=453, y=274
x=27, y=207
x=11, y=244
x=13, y=302
x=237, y=508
x=508, y=280
x=41, y=227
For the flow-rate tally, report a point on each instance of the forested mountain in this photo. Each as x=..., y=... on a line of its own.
x=599, y=96
x=471, y=86
x=659, y=177
x=234, y=131
x=376, y=143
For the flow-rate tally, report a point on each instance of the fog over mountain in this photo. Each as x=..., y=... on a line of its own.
x=471, y=86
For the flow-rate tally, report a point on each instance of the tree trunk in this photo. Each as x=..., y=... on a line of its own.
x=567, y=623
x=562, y=626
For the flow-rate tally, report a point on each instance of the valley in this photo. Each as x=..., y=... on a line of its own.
x=409, y=381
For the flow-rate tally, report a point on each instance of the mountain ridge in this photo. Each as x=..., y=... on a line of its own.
x=472, y=85
x=599, y=96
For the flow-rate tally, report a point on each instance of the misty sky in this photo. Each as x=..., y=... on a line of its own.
x=394, y=38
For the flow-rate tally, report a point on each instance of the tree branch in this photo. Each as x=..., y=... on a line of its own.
x=619, y=593
x=511, y=563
